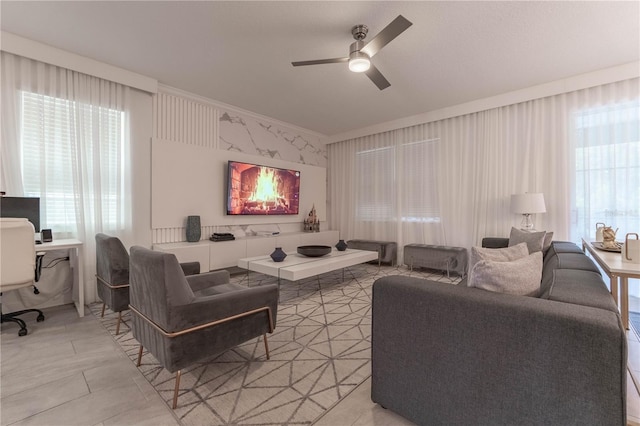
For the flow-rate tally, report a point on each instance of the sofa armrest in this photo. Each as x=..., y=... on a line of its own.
x=495, y=242
x=224, y=305
x=202, y=281
x=190, y=268
x=444, y=354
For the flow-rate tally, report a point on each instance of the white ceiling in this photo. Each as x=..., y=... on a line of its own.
x=240, y=53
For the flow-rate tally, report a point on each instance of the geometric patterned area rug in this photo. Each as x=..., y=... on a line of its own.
x=320, y=351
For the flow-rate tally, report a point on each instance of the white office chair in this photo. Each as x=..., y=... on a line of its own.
x=19, y=263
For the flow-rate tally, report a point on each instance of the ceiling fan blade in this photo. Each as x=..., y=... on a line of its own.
x=384, y=37
x=377, y=78
x=320, y=61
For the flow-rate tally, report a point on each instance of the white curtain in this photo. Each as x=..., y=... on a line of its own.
x=65, y=139
x=386, y=187
x=485, y=157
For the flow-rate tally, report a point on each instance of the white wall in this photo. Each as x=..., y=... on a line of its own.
x=195, y=137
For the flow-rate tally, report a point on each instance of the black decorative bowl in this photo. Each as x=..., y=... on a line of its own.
x=314, y=251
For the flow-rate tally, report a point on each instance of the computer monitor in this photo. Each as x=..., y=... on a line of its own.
x=25, y=207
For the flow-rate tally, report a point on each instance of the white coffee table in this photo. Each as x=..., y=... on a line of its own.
x=297, y=267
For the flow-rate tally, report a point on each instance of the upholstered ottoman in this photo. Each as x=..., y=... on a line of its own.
x=444, y=258
x=387, y=250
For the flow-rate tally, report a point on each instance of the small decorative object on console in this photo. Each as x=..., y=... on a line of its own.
x=341, y=246
x=609, y=238
x=599, y=230
x=631, y=253
x=278, y=255
x=314, y=251
x=193, y=229
x=222, y=236
x=312, y=223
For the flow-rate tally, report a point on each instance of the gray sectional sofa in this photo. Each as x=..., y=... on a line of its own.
x=455, y=355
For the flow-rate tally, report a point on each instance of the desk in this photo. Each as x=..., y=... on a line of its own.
x=76, y=262
x=619, y=274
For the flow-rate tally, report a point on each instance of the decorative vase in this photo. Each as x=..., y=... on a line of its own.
x=278, y=255
x=193, y=229
x=341, y=246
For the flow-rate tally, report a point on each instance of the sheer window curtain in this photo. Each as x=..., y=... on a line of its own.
x=485, y=157
x=65, y=138
x=385, y=187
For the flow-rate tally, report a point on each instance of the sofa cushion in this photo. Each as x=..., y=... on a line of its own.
x=564, y=247
x=520, y=277
x=534, y=240
x=584, y=288
x=549, y=265
x=576, y=261
x=498, y=254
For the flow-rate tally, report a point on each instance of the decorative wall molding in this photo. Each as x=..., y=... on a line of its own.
x=233, y=109
x=184, y=120
x=52, y=55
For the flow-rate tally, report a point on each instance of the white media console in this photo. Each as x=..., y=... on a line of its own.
x=224, y=254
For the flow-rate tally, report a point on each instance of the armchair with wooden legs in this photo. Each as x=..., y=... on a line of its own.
x=182, y=319
x=112, y=274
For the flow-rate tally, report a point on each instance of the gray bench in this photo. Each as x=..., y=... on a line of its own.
x=387, y=250
x=443, y=258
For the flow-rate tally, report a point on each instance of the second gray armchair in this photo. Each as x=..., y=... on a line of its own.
x=112, y=274
x=182, y=319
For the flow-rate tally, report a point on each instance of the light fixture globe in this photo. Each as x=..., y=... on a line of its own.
x=359, y=62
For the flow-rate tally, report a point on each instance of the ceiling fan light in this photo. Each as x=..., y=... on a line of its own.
x=359, y=62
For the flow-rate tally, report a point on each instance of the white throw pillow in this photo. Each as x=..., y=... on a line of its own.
x=534, y=240
x=502, y=254
x=520, y=277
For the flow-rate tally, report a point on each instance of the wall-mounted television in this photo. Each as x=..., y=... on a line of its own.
x=253, y=189
x=22, y=207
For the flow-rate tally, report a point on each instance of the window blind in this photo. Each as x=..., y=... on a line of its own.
x=52, y=157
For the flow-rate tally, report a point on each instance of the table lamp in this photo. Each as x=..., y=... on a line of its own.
x=526, y=205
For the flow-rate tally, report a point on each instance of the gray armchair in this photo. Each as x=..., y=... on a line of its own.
x=112, y=273
x=182, y=319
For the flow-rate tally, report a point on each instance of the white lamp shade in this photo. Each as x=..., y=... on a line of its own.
x=528, y=203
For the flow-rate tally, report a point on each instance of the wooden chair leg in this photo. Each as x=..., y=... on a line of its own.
x=118, y=323
x=139, y=356
x=266, y=345
x=175, y=391
x=104, y=305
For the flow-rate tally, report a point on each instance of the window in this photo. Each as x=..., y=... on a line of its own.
x=398, y=183
x=607, y=169
x=418, y=179
x=375, y=169
x=52, y=158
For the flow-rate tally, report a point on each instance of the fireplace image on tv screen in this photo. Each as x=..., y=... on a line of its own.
x=262, y=190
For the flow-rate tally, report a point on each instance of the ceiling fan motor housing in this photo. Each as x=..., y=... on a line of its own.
x=356, y=46
x=359, y=32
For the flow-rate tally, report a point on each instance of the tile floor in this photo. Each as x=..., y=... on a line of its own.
x=69, y=371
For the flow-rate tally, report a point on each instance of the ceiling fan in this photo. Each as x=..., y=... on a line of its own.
x=360, y=53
